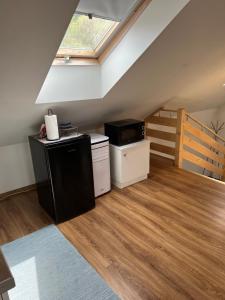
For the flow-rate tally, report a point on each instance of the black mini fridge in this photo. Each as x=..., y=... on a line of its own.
x=64, y=176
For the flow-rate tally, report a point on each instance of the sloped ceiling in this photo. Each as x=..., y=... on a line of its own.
x=30, y=33
x=69, y=82
x=185, y=62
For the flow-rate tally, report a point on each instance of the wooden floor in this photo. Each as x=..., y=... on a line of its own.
x=163, y=238
x=21, y=215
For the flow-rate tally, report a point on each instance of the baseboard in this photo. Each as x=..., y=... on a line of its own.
x=206, y=177
x=17, y=191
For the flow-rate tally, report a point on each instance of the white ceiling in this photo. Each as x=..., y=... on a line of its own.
x=185, y=62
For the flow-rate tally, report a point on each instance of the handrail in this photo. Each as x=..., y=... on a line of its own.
x=169, y=110
x=158, y=110
x=206, y=127
x=152, y=114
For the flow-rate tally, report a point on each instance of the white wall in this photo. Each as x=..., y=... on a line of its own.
x=16, y=169
x=69, y=83
x=206, y=116
x=147, y=28
x=174, y=65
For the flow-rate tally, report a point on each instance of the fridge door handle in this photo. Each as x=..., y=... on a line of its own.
x=72, y=150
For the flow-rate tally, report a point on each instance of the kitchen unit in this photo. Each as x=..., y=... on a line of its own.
x=129, y=163
x=101, y=163
x=64, y=175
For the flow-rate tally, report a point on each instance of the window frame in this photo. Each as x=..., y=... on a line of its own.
x=109, y=42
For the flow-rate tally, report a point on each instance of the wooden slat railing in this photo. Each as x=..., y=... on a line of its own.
x=165, y=131
x=179, y=138
x=192, y=140
x=191, y=143
x=163, y=135
x=201, y=162
x=164, y=121
x=204, y=137
x=204, y=126
x=163, y=149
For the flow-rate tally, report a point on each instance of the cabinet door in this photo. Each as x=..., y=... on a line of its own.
x=135, y=162
x=72, y=179
x=101, y=169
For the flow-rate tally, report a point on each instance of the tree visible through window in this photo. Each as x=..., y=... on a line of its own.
x=85, y=36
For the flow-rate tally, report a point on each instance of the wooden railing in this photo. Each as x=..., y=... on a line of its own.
x=163, y=131
x=183, y=138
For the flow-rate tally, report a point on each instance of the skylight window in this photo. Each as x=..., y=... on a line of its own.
x=86, y=36
x=96, y=28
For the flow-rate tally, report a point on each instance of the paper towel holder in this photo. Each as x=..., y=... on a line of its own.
x=51, y=125
x=50, y=112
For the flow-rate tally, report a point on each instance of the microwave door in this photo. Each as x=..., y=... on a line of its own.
x=131, y=134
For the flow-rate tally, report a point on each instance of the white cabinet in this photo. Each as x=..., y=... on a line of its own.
x=101, y=170
x=101, y=164
x=129, y=163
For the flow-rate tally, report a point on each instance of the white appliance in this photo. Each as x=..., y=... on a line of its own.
x=101, y=163
x=130, y=163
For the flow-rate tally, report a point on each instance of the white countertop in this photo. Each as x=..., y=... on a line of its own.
x=131, y=145
x=45, y=141
x=98, y=138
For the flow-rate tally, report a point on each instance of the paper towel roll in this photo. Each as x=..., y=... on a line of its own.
x=51, y=127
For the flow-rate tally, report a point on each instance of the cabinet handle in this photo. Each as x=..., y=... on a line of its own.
x=72, y=150
x=125, y=155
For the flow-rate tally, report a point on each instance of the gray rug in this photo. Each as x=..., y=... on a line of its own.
x=46, y=266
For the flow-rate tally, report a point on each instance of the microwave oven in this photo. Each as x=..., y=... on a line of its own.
x=125, y=132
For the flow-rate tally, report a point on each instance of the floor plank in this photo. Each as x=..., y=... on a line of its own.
x=20, y=215
x=162, y=238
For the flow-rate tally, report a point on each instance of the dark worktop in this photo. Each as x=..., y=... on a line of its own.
x=6, y=279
